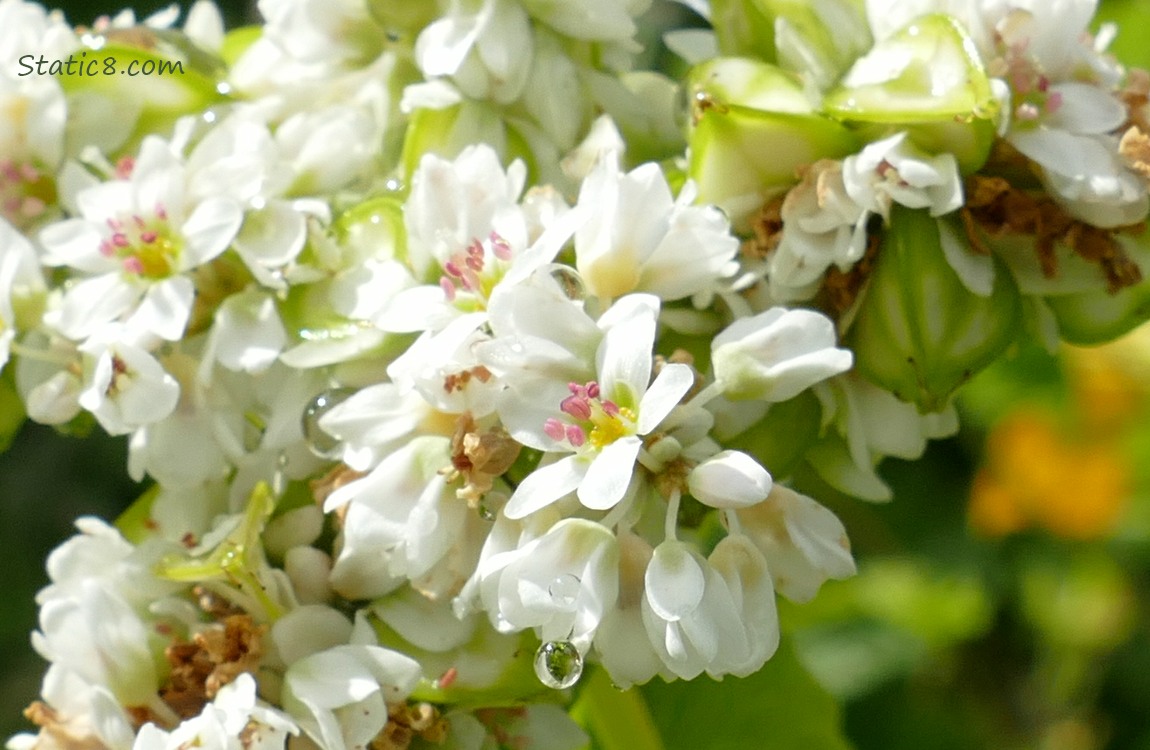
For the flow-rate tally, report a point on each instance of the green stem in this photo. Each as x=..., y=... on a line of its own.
x=615, y=719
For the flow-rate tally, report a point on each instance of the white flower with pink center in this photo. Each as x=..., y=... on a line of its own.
x=133, y=242
x=600, y=423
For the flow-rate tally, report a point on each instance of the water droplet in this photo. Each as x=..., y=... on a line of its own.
x=393, y=185
x=485, y=511
x=569, y=282
x=558, y=664
x=223, y=88
x=564, y=590
x=320, y=442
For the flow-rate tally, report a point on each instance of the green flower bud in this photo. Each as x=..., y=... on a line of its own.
x=816, y=40
x=927, y=79
x=753, y=129
x=920, y=332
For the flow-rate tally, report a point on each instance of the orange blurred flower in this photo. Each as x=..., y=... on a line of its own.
x=1036, y=475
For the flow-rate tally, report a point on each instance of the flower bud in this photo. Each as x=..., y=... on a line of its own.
x=753, y=128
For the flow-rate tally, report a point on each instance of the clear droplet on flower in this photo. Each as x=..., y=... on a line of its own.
x=564, y=590
x=569, y=282
x=486, y=512
x=393, y=186
x=320, y=442
x=558, y=664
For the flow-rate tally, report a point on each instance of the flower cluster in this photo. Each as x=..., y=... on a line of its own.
x=450, y=376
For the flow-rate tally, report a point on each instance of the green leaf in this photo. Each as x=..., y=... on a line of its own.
x=781, y=707
x=615, y=719
x=12, y=414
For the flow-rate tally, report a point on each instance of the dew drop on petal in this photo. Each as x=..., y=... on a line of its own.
x=320, y=442
x=564, y=590
x=558, y=664
x=569, y=282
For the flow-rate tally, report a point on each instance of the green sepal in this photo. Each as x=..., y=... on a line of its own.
x=744, y=27
x=941, y=78
x=920, y=333
x=816, y=40
x=741, y=157
x=232, y=567
x=237, y=41
x=1090, y=318
x=781, y=438
x=135, y=523
x=140, y=104
x=373, y=229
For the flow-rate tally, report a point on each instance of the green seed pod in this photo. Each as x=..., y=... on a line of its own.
x=926, y=79
x=920, y=332
x=753, y=128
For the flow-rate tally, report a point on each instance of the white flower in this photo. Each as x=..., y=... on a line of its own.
x=485, y=46
x=776, y=354
x=600, y=422
x=638, y=238
x=136, y=239
x=20, y=279
x=804, y=543
x=894, y=171
x=402, y=519
x=824, y=226
x=127, y=388
x=562, y=582
x=339, y=696
x=691, y=617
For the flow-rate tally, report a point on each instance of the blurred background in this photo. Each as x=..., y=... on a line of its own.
x=1003, y=597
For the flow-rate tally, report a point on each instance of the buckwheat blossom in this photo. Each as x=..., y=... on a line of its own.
x=638, y=238
x=599, y=423
x=133, y=242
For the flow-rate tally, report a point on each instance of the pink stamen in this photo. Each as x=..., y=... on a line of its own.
x=447, y=287
x=29, y=173
x=474, y=263
x=1054, y=102
x=452, y=269
x=133, y=265
x=610, y=408
x=161, y=213
x=119, y=239
x=124, y=167
x=575, y=435
x=500, y=247
x=576, y=406
x=148, y=237
x=592, y=389
x=553, y=428
x=106, y=249
x=115, y=225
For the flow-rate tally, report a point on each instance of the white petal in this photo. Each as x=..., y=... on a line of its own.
x=674, y=581
x=165, y=308
x=209, y=230
x=672, y=382
x=545, y=485
x=610, y=473
x=730, y=479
